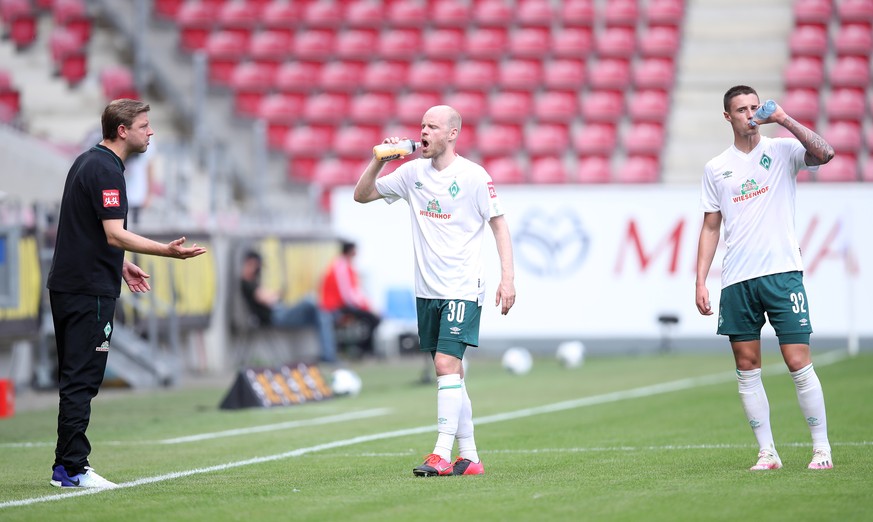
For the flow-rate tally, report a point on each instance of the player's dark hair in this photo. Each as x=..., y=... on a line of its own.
x=736, y=90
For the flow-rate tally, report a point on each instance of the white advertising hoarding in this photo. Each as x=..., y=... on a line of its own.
x=606, y=261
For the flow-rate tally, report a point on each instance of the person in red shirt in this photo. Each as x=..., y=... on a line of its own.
x=341, y=295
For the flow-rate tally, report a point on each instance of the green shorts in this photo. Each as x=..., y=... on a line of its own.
x=447, y=325
x=781, y=297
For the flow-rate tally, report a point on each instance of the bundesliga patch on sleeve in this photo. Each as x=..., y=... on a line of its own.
x=111, y=198
x=492, y=192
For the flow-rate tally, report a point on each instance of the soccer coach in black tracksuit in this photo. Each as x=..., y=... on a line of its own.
x=85, y=278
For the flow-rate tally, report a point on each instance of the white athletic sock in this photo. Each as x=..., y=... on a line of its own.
x=811, y=399
x=756, y=406
x=450, y=397
x=466, y=441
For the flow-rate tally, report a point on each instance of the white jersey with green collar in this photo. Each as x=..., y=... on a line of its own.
x=755, y=194
x=448, y=210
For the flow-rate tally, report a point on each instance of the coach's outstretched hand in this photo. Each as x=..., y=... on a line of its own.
x=180, y=252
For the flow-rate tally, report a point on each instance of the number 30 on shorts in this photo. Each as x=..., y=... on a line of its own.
x=457, y=309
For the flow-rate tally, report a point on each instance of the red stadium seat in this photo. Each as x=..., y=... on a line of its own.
x=308, y=141
x=430, y=75
x=298, y=76
x=809, y=40
x=557, y=106
x=596, y=139
x=73, y=15
x=242, y=18
x=301, y=169
x=504, y=170
x=548, y=170
x=466, y=143
x=499, y=140
x=846, y=105
x=443, y=43
x=338, y=76
x=329, y=173
x=572, y=42
x=10, y=99
x=117, y=82
x=510, y=106
x=250, y=83
x=617, y=42
x=450, y=13
x=621, y=12
x=638, y=169
x=520, y=74
x=195, y=20
x=665, y=12
x=270, y=47
x=801, y=104
x=281, y=112
x=564, y=74
x=365, y=13
x=400, y=44
x=20, y=21
x=844, y=137
x=315, y=44
x=472, y=106
x=812, y=11
x=372, y=108
x=476, y=75
x=386, y=76
x=412, y=106
x=842, y=168
x=854, y=40
x=850, y=71
x=488, y=42
x=804, y=72
x=224, y=50
x=530, y=13
x=855, y=11
x=654, y=73
x=603, y=106
x=530, y=42
x=282, y=16
x=644, y=138
x=407, y=13
x=68, y=55
x=356, y=44
x=547, y=139
x=578, y=13
x=167, y=8
x=354, y=141
x=649, y=105
x=493, y=13
x=593, y=169
x=323, y=14
x=326, y=108
x=610, y=73
x=662, y=40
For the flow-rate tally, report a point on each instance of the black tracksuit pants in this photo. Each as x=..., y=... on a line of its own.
x=83, y=329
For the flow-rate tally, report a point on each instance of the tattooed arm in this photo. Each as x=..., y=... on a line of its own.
x=818, y=151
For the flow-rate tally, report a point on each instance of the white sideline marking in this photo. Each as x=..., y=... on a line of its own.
x=342, y=417
x=645, y=391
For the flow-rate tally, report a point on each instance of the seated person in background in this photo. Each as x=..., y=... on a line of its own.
x=341, y=294
x=269, y=310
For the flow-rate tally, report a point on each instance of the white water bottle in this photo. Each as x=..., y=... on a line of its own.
x=765, y=111
x=392, y=151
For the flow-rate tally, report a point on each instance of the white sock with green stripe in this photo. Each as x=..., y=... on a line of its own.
x=811, y=399
x=756, y=406
x=466, y=442
x=450, y=398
